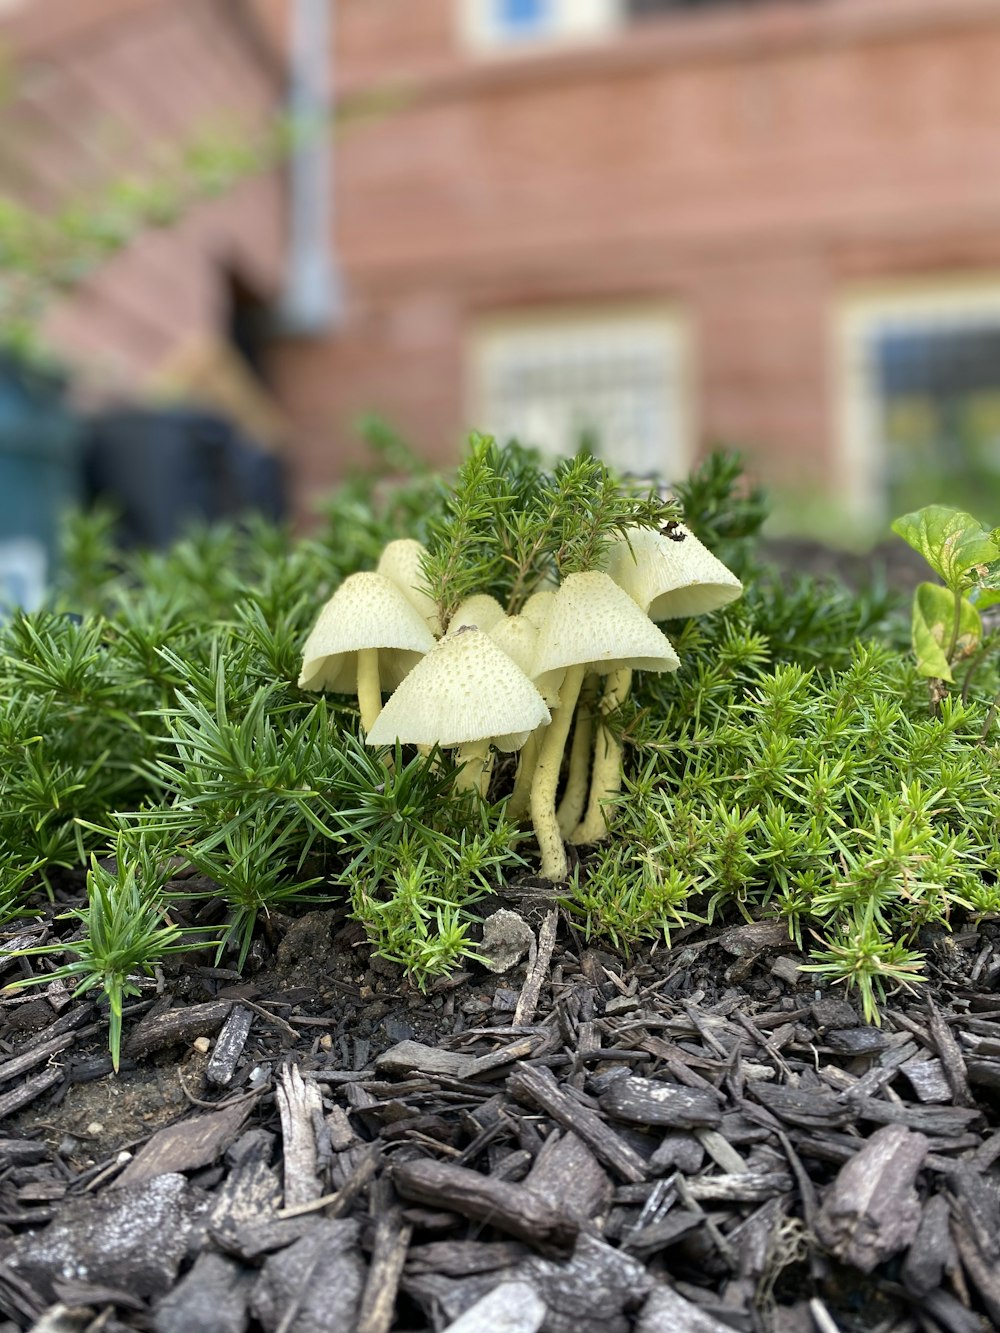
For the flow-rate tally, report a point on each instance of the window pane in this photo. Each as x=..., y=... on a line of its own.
x=521, y=15
x=938, y=388
x=613, y=386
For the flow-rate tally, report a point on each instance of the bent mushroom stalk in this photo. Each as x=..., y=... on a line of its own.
x=592, y=625
x=606, y=771
x=366, y=630
x=574, y=796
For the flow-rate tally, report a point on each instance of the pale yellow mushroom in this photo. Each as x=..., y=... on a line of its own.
x=466, y=694
x=402, y=562
x=667, y=576
x=366, y=633
x=480, y=611
x=592, y=626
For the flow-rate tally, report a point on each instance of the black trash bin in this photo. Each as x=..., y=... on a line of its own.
x=164, y=468
x=38, y=478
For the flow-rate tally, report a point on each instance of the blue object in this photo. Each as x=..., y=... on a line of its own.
x=38, y=479
x=522, y=16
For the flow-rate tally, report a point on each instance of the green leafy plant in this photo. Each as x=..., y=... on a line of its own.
x=789, y=767
x=965, y=555
x=125, y=931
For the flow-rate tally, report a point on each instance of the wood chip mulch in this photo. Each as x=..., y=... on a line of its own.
x=585, y=1148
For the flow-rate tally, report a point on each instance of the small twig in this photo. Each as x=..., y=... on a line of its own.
x=527, y=1001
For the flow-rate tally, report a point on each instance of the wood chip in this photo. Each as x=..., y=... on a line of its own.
x=643, y=1101
x=538, y=1087
x=872, y=1211
x=197, y=1141
x=511, y=1208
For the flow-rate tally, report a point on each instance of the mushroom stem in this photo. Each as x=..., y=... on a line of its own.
x=477, y=766
x=520, y=796
x=369, y=688
x=606, y=776
x=575, y=793
x=543, y=790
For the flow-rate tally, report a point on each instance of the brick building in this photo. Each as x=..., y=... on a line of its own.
x=99, y=89
x=774, y=223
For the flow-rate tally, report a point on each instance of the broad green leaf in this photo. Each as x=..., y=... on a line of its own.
x=933, y=626
x=953, y=543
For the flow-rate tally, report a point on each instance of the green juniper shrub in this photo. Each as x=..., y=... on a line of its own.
x=791, y=767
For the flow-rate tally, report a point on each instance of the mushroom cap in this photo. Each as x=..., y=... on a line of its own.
x=366, y=611
x=670, y=578
x=465, y=689
x=538, y=606
x=518, y=637
x=480, y=611
x=402, y=562
x=595, y=623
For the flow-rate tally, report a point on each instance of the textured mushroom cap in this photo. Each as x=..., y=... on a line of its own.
x=518, y=637
x=538, y=606
x=596, y=623
x=465, y=689
x=366, y=611
x=670, y=578
x=401, y=561
x=480, y=611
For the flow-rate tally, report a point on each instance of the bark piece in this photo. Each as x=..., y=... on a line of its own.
x=537, y=1087
x=950, y=1055
x=460, y=1258
x=132, y=1238
x=409, y=1057
x=23, y=1093
x=644, y=1101
x=300, y=1106
x=927, y=1079
x=810, y=1108
x=596, y=1291
x=511, y=1208
x=197, y=1141
x=213, y=1295
x=871, y=1211
x=749, y=1186
x=378, y=1304
x=666, y=1311
x=538, y=971
x=229, y=1046
x=173, y=1026
x=679, y=1151
x=315, y=1285
x=512, y=1307
x=932, y=1250
x=567, y=1174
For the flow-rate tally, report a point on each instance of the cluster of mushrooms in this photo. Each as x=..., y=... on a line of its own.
x=489, y=681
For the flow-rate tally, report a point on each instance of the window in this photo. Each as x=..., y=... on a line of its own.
x=616, y=381
x=922, y=400
x=641, y=9
x=521, y=16
x=498, y=25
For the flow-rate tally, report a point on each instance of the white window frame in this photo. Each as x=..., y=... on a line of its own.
x=861, y=316
x=502, y=336
x=569, y=21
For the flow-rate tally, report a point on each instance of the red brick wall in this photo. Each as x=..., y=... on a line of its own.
x=743, y=166
x=101, y=86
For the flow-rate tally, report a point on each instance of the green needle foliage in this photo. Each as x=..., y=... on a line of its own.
x=790, y=768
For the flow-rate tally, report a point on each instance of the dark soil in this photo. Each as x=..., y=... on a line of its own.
x=697, y=1139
